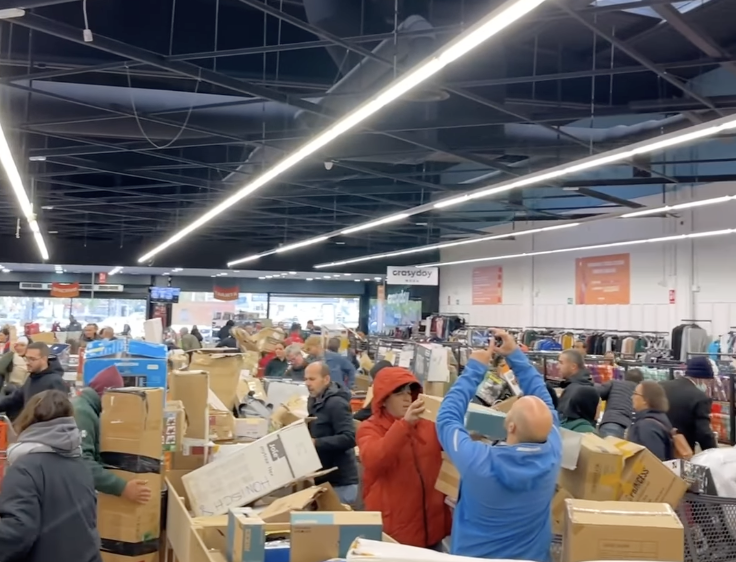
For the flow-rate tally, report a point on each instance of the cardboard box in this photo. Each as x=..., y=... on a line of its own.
x=191, y=388
x=291, y=411
x=175, y=426
x=621, y=531
x=558, y=510
x=597, y=475
x=224, y=370
x=645, y=478
x=131, y=429
x=485, y=421
x=448, y=481
x=320, y=536
x=431, y=407
x=251, y=428
x=362, y=383
x=315, y=498
x=246, y=536
x=253, y=472
x=268, y=338
x=140, y=363
x=248, y=384
x=221, y=420
x=698, y=478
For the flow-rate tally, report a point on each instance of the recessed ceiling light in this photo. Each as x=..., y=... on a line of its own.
x=347, y=274
x=213, y=275
x=167, y=273
x=340, y=243
x=420, y=223
x=327, y=277
x=310, y=279
x=377, y=278
x=53, y=232
x=261, y=278
x=366, y=279
x=269, y=276
x=292, y=273
x=356, y=280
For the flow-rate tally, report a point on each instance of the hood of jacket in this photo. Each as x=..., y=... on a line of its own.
x=389, y=379
x=60, y=436
x=579, y=425
x=519, y=467
x=92, y=399
x=582, y=378
x=655, y=415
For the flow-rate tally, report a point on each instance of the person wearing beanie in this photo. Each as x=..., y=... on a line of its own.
x=87, y=410
x=689, y=405
x=365, y=412
x=401, y=458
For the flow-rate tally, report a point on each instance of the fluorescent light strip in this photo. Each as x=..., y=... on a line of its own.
x=488, y=27
x=672, y=139
x=674, y=238
x=11, y=171
x=373, y=224
x=447, y=245
x=680, y=206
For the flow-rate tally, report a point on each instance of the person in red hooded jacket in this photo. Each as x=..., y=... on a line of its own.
x=401, y=460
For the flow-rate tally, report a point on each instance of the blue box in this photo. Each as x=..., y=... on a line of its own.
x=246, y=536
x=487, y=422
x=140, y=365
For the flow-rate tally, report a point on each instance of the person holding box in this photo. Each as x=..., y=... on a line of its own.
x=506, y=490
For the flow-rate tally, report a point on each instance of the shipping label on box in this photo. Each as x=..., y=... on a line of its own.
x=246, y=536
x=645, y=478
x=252, y=472
x=320, y=536
x=621, y=531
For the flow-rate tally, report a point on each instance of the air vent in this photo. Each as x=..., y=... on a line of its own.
x=84, y=288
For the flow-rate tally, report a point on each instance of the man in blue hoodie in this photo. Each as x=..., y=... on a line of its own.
x=503, y=509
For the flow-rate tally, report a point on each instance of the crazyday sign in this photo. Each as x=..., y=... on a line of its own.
x=412, y=276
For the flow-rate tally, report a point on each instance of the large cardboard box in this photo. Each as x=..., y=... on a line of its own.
x=448, y=481
x=320, y=536
x=252, y=472
x=224, y=369
x=191, y=388
x=131, y=430
x=293, y=410
x=246, y=536
x=268, y=338
x=315, y=498
x=645, y=478
x=597, y=475
x=221, y=419
x=621, y=531
x=488, y=422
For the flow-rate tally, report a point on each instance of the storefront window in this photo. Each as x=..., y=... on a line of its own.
x=48, y=311
x=286, y=309
x=398, y=311
x=201, y=309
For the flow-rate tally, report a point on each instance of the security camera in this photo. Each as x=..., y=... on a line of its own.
x=329, y=164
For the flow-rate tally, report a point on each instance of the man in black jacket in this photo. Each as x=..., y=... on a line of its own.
x=574, y=375
x=333, y=431
x=690, y=406
x=618, y=415
x=43, y=374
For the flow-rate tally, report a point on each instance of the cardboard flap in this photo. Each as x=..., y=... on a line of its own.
x=215, y=403
x=324, y=498
x=626, y=448
x=571, y=443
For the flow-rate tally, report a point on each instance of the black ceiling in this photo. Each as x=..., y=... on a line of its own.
x=176, y=103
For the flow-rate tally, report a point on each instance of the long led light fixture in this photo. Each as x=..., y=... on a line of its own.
x=443, y=245
x=677, y=138
x=489, y=26
x=674, y=238
x=11, y=171
x=679, y=206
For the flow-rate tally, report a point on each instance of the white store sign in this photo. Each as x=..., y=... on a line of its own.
x=412, y=276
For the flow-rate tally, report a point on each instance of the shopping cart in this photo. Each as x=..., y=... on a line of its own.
x=710, y=528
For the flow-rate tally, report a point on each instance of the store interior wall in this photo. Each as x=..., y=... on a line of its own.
x=536, y=290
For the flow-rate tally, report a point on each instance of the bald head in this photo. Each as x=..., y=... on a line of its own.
x=529, y=421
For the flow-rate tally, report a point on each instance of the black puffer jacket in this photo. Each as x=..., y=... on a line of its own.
x=619, y=408
x=333, y=432
x=653, y=430
x=570, y=385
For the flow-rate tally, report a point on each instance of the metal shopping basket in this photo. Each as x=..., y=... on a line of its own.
x=710, y=528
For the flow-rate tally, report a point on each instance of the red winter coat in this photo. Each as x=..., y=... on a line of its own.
x=401, y=463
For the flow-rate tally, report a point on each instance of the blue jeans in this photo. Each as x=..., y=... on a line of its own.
x=347, y=494
x=613, y=429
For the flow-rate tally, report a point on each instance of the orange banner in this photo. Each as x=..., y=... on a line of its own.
x=226, y=293
x=603, y=280
x=65, y=290
x=488, y=285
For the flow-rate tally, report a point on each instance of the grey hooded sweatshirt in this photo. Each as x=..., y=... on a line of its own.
x=48, y=496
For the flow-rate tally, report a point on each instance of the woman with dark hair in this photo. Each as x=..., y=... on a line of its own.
x=48, y=507
x=652, y=427
x=582, y=410
x=196, y=333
